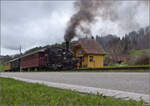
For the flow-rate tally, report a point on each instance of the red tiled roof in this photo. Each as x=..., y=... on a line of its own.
x=90, y=46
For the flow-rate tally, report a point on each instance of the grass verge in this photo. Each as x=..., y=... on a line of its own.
x=127, y=66
x=111, y=71
x=18, y=93
x=138, y=52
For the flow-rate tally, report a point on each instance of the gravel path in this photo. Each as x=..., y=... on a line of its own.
x=131, y=82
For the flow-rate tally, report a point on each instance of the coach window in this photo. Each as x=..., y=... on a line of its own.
x=91, y=58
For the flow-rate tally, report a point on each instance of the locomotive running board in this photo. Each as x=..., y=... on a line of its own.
x=105, y=92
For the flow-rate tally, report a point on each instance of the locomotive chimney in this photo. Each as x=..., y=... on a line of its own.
x=67, y=45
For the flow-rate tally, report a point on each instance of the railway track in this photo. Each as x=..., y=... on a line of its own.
x=147, y=68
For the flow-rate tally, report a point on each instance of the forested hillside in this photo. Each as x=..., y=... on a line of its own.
x=120, y=49
x=132, y=41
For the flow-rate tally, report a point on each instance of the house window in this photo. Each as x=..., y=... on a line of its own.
x=91, y=58
x=80, y=52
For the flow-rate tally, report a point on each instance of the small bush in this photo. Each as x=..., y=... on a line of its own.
x=141, y=59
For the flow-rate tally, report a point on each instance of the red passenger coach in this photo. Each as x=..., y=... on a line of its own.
x=33, y=60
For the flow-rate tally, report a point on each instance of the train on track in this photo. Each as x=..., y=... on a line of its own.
x=54, y=58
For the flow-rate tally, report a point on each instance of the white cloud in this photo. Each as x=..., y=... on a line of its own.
x=31, y=24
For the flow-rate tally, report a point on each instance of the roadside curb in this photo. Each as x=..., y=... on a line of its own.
x=105, y=92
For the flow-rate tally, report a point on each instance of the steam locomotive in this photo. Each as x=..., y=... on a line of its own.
x=54, y=58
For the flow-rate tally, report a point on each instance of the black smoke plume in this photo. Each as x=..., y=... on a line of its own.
x=89, y=10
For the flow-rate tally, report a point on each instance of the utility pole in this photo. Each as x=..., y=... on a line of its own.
x=0, y=30
x=0, y=38
x=20, y=56
x=0, y=53
x=20, y=50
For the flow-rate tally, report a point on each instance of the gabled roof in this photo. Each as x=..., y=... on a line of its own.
x=90, y=46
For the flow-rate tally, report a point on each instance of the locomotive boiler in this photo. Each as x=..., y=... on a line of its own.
x=59, y=59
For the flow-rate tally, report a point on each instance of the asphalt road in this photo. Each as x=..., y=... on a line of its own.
x=131, y=82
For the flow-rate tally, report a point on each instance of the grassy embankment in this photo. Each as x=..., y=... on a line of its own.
x=126, y=66
x=15, y=93
x=138, y=52
x=112, y=71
